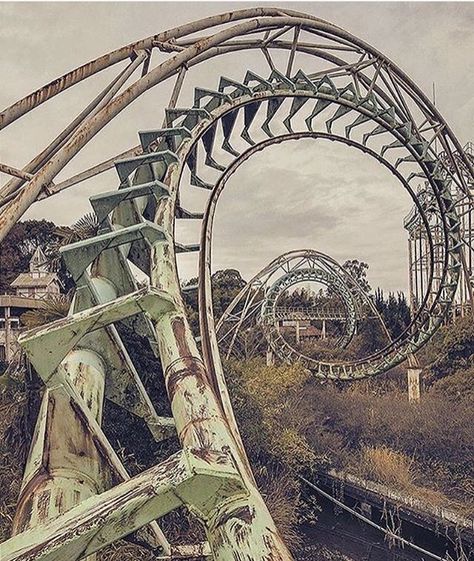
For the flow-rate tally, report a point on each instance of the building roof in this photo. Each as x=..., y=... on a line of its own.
x=27, y=280
x=310, y=331
x=39, y=262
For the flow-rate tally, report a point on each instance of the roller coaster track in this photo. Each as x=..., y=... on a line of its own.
x=257, y=303
x=418, y=250
x=76, y=496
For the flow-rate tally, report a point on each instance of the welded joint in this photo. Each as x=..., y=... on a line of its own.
x=80, y=255
x=104, y=203
x=47, y=346
x=188, y=478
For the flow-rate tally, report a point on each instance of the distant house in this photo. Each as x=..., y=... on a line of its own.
x=311, y=333
x=302, y=330
x=28, y=291
x=38, y=282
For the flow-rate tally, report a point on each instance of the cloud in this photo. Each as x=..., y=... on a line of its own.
x=298, y=194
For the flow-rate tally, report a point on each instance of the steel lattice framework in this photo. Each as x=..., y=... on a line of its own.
x=257, y=304
x=419, y=251
x=76, y=495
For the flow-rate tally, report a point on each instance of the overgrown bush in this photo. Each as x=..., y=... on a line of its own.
x=268, y=404
x=388, y=466
x=435, y=433
x=451, y=350
x=20, y=394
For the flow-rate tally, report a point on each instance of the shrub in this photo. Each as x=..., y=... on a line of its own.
x=269, y=406
x=387, y=466
x=451, y=350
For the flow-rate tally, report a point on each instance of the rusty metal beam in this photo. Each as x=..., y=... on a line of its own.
x=10, y=170
x=212, y=476
x=94, y=106
x=102, y=519
x=240, y=527
x=264, y=19
x=23, y=106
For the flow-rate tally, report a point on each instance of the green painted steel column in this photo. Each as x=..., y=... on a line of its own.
x=238, y=527
x=64, y=465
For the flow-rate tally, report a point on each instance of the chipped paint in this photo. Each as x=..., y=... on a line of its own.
x=71, y=460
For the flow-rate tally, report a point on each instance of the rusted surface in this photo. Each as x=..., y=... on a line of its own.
x=192, y=367
x=239, y=525
x=35, y=486
x=115, y=513
x=69, y=460
x=263, y=18
x=243, y=513
x=9, y=170
x=95, y=105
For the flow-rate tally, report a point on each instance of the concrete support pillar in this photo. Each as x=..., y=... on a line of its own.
x=413, y=382
x=323, y=330
x=270, y=357
x=297, y=332
x=8, y=338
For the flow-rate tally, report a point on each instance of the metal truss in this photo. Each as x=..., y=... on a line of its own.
x=319, y=82
x=257, y=305
x=419, y=251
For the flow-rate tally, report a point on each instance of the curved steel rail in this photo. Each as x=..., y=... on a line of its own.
x=372, y=72
x=68, y=481
x=268, y=312
x=447, y=257
x=419, y=251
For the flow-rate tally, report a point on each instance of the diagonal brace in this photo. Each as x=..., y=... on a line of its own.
x=184, y=478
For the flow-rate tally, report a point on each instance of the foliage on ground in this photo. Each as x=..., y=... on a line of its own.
x=289, y=422
x=431, y=441
x=450, y=351
x=267, y=403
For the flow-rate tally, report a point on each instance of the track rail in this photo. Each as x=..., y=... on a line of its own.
x=258, y=303
x=76, y=495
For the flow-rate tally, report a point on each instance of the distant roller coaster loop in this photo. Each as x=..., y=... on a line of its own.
x=352, y=94
x=256, y=303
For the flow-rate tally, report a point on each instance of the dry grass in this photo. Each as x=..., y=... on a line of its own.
x=399, y=471
x=281, y=494
x=388, y=466
x=123, y=551
x=13, y=444
x=53, y=308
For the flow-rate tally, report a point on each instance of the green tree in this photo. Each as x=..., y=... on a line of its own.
x=394, y=310
x=358, y=271
x=451, y=350
x=226, y=284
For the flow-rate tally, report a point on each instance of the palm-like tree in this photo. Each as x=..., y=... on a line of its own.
x=57, y=306
x=50, y=309
x=86, y=227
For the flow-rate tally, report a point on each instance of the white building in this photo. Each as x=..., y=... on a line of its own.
x=28, y=291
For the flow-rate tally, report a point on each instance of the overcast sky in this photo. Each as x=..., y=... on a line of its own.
x=299, y=194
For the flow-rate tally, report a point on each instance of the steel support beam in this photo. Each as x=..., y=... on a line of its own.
x=239, y=527
x=69, y=459
x=184, y=478
x=63, y=471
